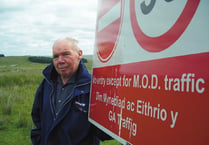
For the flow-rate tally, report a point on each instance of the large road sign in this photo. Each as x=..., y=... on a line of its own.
x=151, y=86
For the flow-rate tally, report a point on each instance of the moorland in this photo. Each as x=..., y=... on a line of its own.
x=19, y=78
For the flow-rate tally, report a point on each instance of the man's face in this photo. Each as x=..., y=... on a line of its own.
x=66, y=58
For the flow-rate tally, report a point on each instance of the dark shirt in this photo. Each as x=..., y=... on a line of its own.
x=63, y=92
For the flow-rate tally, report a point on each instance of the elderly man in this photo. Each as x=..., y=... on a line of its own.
x=60, y=109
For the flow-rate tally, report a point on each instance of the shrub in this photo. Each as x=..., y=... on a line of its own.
x=1, y=55
x=84, y=60
x=40, y=59
x=43, y=59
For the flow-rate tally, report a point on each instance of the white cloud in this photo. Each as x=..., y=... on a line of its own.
x=32, y=25
x=13, y=4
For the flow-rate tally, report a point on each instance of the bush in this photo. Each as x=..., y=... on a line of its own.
x=84, y=60
x=40, y=59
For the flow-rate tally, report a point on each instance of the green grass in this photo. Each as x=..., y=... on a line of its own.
x=19, y=79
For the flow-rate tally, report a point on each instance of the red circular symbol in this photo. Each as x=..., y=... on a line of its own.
x=108, y=28
x=159, y=43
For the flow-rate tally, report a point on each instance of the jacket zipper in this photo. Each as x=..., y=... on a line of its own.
x=51, y=104
x=72, y=93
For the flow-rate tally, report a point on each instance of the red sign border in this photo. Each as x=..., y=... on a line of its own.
x=106, y=59
x=162, y=42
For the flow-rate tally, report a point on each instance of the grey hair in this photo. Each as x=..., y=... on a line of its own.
x=70, y=39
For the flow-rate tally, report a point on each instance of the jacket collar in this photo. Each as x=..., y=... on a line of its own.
x=83, y=76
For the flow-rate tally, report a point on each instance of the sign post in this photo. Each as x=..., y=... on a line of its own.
x=150, y=82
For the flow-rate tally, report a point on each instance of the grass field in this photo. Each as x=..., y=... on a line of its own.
x=19, y=79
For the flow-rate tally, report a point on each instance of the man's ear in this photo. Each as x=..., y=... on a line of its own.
x=80, y=53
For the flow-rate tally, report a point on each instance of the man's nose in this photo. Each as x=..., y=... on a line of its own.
x=60, y=59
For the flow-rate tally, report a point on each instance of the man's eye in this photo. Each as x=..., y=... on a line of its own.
x=55, y=56
x=66, y=54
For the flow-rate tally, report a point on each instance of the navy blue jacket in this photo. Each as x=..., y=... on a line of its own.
x=71, y=126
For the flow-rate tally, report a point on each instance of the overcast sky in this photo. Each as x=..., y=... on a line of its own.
x=29, y=27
